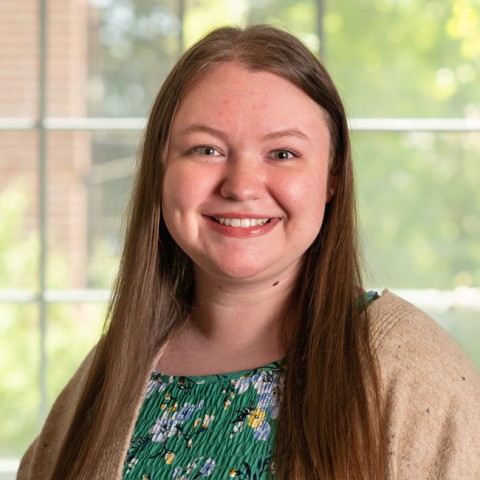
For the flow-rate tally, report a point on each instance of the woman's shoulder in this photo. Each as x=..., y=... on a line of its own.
x=39, y=459
x=431, y=393
x=399, y=328
x=410, y=345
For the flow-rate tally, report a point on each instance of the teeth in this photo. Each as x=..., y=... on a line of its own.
x=242, y=222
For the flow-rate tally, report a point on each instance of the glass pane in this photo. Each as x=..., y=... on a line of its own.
x=68, y=159
x=405, y=58
x=73, y=330
x=464, y=326
x=109, y=183
x=19, y=389
x=132, y=46
x=299, y=17
x=89, y=184
x=420, y=208
x=18, y=58
x=67, y=36
x=18, y=210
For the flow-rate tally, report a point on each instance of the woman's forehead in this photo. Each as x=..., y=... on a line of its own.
x=232, y=90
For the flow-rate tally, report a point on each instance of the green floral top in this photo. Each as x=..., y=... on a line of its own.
x=218, y=426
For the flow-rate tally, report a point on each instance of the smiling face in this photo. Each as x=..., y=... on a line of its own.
x=246, y=173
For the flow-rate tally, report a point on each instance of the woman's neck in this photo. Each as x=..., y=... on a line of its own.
x=233, y=326
x=238, y=309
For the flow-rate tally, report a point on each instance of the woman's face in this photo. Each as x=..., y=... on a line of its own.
x=246, y=174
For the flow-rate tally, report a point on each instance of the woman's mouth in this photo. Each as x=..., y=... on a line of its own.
x=241, y=222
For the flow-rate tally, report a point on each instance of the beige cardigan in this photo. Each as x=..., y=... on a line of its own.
x=432, y=396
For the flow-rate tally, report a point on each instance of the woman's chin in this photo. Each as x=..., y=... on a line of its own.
x=242, y=273
x=249, y=273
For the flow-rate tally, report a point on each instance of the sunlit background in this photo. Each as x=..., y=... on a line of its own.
x=77, y=78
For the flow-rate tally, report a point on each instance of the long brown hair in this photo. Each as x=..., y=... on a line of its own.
x=330, y=426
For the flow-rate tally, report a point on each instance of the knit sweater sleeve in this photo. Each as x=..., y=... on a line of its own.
x=40, y=458
x=431, y=393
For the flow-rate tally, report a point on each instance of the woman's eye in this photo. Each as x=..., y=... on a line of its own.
x=283, y=155
x=206, y=150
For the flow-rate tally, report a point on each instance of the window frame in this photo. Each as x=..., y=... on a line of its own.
x=429, y=299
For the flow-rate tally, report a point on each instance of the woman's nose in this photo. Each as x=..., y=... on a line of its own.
x=243, y=180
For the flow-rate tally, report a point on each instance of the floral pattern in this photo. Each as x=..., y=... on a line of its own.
x=219, y=426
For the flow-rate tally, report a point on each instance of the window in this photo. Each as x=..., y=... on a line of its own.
x=77, y=79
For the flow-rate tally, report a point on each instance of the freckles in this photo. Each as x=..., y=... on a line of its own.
x=178, y=181
x=295, y=191
x=306, y=190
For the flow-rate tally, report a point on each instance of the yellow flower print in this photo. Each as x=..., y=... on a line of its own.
x=256, y=418
x=207, y=419
x=169, y=458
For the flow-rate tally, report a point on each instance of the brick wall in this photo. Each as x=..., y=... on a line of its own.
x=68, y=153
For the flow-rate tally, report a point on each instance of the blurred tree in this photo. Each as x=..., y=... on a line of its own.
x=132, y=48
x=72, y=328
x=420, y=208
x=409, y=58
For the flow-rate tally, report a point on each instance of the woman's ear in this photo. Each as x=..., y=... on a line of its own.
x=332, y=184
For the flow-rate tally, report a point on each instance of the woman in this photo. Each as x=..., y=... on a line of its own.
x=240, y=289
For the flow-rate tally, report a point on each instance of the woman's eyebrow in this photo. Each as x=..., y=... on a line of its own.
x=288, y=132
x=201, y=128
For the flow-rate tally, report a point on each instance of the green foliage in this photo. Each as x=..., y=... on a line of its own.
x=138, y=42
x=465, y=328
x=102, y=265
x=18, y=268
x=72, y=329
x=420, y=208
x=19, y=391
x=415, y=58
